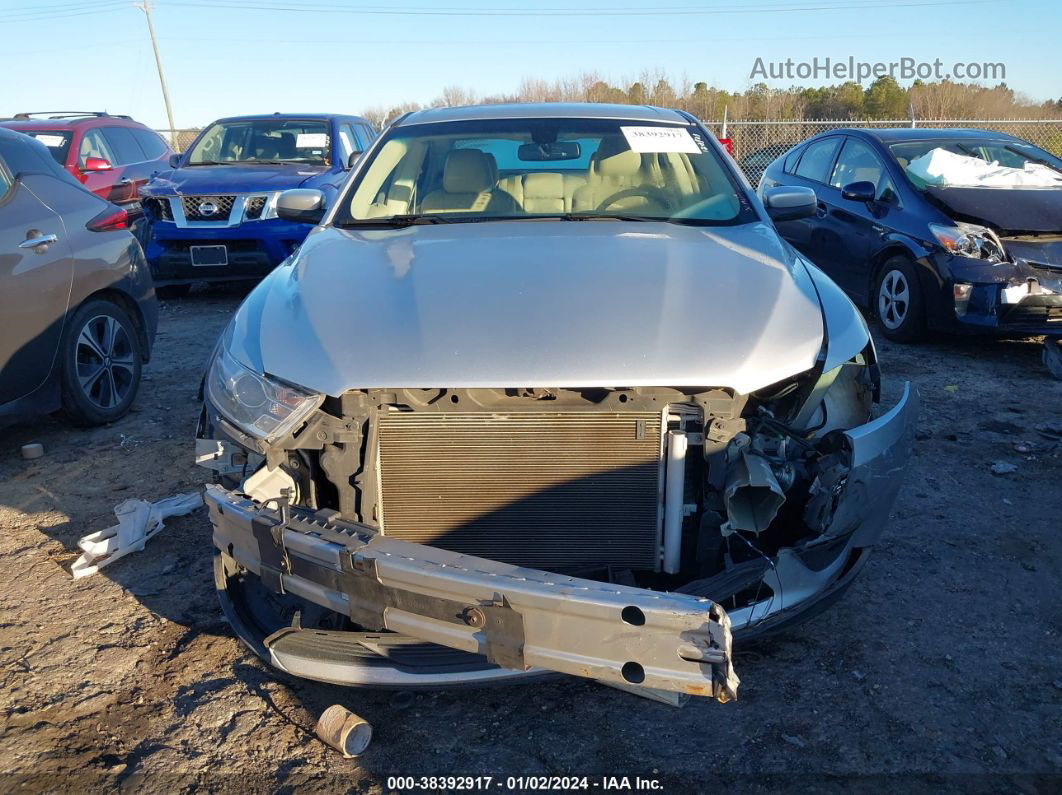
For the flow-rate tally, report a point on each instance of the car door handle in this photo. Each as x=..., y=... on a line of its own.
x=40, y=240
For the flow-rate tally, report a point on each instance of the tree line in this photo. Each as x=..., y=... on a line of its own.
x=885, y=98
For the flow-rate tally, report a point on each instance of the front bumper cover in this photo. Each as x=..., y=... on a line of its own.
x=530, y=622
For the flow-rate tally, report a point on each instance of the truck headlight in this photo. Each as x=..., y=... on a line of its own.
x=260, y=406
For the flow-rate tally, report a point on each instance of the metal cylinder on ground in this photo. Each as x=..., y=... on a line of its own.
x=348, y=733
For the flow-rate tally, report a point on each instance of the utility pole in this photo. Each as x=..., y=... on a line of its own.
x=145, y=6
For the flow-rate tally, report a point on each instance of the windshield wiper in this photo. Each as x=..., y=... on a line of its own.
x=1032, y=158
x=398, y=221
x=207, y=163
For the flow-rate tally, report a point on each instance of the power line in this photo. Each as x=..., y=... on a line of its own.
x=41, y=15
x=540, y=12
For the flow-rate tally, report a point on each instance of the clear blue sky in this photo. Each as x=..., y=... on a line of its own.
x=227, y=57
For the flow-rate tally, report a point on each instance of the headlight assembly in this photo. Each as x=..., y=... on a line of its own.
x=260, y=406
x=968, y=240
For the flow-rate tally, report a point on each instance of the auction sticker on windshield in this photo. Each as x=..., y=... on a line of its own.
x=660, y=139
x=311, y=141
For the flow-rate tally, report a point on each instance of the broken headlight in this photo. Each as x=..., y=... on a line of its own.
x=260, y=406
x=968, y=240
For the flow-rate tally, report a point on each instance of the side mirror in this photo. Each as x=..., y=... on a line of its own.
x=97, y=164
x=304, y=205
x=175, y=160
x=862, y=191
x=789, y=202
x=353, y=159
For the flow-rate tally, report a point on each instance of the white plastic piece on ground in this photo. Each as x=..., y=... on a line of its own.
x=944, y=169
x=138, y=522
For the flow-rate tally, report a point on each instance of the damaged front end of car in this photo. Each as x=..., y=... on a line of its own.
x=445, y=536
x=1002, y=258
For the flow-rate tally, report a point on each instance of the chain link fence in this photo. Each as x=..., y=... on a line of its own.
x=180, y=139
x=757, y=143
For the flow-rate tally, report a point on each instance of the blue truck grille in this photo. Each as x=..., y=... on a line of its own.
x=207, y=208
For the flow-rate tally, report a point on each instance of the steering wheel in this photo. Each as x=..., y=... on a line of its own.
x=649, y=192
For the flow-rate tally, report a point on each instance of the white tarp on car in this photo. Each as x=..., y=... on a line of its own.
x=944, y=169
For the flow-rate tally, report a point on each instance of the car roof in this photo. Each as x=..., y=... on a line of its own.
x=292, y=117
x=544, y=110
x=894, y=134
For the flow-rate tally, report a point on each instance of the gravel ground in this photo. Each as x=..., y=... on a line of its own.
x=939, y=669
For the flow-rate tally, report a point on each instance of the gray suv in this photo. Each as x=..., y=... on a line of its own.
x=78, y=307
x=543, y=391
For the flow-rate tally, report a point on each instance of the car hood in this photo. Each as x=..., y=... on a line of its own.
x=534, y=304
x=197, y=180
x=1007, y=210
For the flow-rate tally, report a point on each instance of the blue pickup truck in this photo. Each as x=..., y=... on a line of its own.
x=213, y=212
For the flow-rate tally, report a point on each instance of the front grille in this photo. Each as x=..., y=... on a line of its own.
x=197, y=208
x=254, y=207
x=549, y=490
x=1030, y=315
x=160, y=208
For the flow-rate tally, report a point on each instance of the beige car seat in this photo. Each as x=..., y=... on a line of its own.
x=614, y=167
x=468, y=185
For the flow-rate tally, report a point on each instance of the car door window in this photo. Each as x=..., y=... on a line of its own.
x=366, y=134
x=859, y=163
x=124, y=145
x=151, y=142
x=5, y=181
x=348, y=143
x=817, y=159
x=791, y=160
x=93, y=145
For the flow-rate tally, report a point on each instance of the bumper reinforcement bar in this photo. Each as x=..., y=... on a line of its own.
x=518, y=618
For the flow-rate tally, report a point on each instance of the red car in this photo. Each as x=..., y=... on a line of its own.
x=112, y=156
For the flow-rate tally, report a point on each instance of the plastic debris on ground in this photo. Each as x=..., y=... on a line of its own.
x=944, y=169
x=138, y=522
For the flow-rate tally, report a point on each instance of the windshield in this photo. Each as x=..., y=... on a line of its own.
x=58, y=143
x=262, y=141
x=517, y=169
x=975, y=161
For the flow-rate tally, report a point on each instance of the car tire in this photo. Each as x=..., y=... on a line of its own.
x=171, y=292
x=898, y=301
x=102, y=357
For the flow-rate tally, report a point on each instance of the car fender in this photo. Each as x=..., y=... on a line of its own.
x=894, y=244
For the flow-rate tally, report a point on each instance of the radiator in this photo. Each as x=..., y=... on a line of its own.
x=549, y=490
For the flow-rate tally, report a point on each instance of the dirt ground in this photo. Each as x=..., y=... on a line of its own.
x=941, y=668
